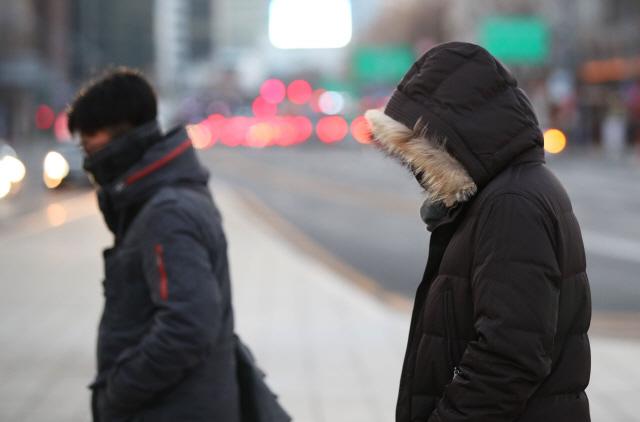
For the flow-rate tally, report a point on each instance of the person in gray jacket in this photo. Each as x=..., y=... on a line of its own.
x=165, y=342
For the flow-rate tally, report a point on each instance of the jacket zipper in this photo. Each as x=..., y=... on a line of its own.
x=452, y=337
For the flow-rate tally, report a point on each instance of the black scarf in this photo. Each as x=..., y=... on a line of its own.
x=122, y=152
x=431, y=213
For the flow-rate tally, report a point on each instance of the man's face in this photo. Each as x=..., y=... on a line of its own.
x=94, y=142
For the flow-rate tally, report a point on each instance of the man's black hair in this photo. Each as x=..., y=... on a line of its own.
x=120, y=98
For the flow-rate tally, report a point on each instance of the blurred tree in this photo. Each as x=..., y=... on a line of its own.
x=408, y=22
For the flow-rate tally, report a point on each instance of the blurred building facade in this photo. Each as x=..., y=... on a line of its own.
x=49, y=47
x=590, y=77
x=108, y=33
x=35, y=60
x=183, y=41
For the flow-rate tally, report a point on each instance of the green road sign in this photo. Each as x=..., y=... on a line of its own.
x=384, y=64
x=516, y=39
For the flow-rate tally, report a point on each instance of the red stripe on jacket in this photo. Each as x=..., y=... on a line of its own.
x=164, y=294
x=161, y=162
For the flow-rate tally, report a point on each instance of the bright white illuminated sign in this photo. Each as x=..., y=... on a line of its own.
x=310, y=23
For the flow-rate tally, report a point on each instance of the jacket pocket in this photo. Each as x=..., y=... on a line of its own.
x=453, y=344
x=128, y=302
x=422, y=406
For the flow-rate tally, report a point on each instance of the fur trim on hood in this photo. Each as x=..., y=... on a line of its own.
x=442, y=176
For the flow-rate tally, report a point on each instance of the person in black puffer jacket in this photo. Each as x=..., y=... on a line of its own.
x=166, y=349
x=500, y=320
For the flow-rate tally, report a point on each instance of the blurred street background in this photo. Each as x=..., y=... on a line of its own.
x=327, y=247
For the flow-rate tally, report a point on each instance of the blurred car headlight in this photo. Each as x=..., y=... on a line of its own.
x=14, y=169
x=56, y=168
x=5, y=182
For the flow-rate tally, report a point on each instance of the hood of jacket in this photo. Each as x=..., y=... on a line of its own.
x=457, y=119
x=170, y=161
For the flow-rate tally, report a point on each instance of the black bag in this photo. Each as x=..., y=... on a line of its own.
x=257, y=402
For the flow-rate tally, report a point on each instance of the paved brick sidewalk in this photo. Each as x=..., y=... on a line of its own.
x=332, y=351
x=350, y=345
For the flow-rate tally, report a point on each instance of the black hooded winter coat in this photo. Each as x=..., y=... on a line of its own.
x=499, y=326
x=165, y=343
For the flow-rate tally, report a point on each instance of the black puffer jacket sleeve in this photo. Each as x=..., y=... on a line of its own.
x=515, y=298
x=188, y=301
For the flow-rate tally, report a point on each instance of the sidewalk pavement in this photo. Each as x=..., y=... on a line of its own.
x=331, y=349
x=337, y=352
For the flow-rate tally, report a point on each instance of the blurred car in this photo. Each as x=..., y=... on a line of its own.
x=12, y=171
x=63, y=164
